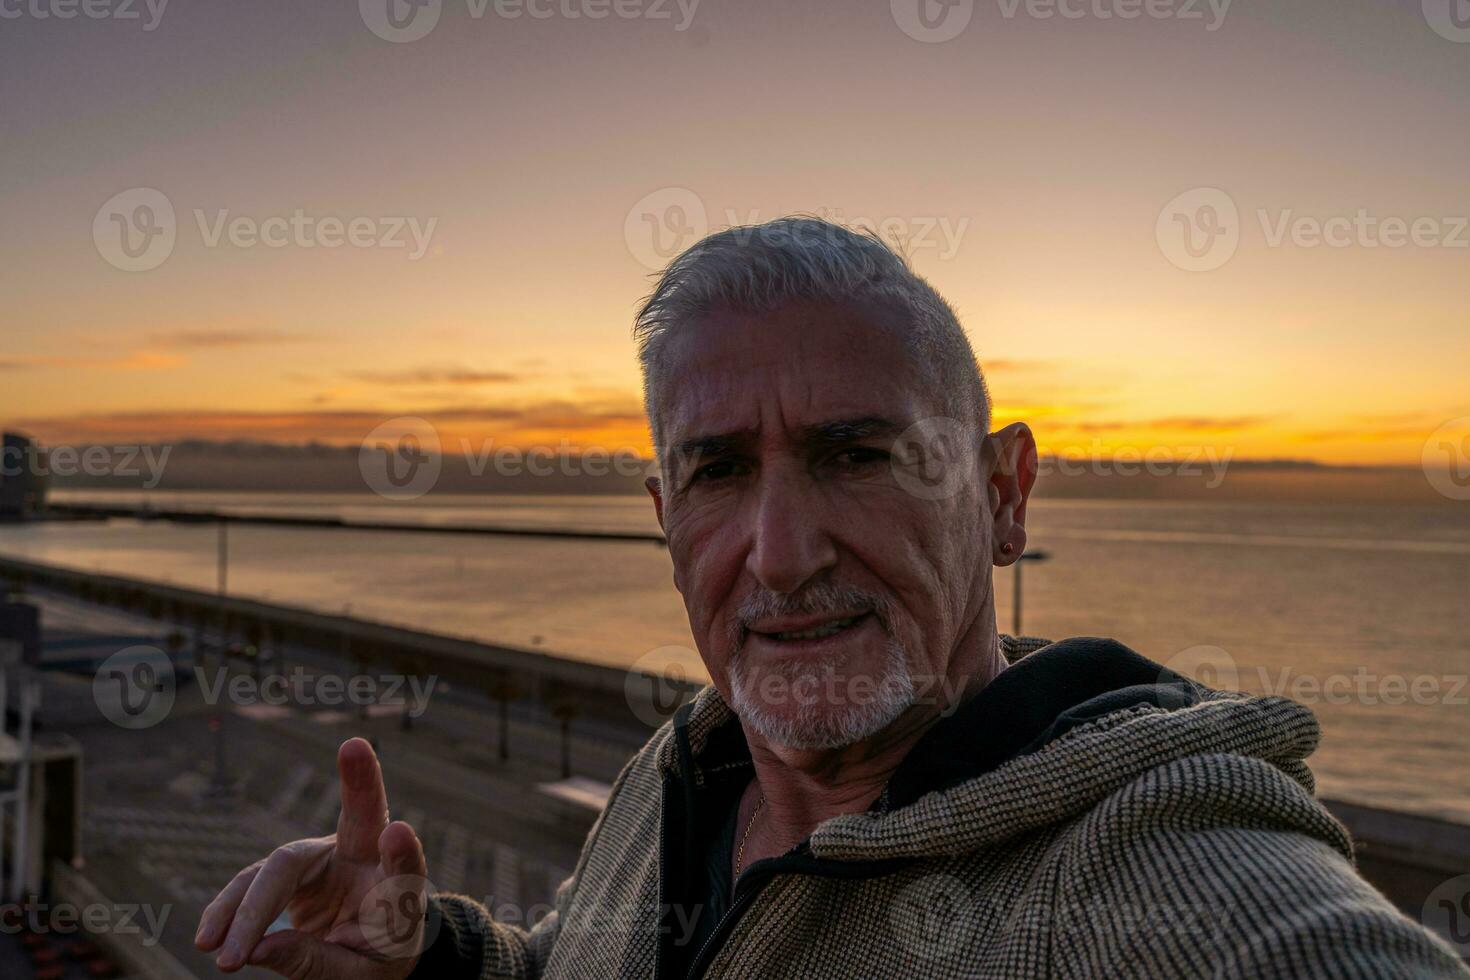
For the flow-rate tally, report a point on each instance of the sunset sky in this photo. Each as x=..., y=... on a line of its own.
x=1045, y=148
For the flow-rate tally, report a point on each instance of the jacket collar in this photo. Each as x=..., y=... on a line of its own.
x=1063, y=726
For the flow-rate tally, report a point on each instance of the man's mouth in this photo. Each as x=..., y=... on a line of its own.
x=812, y=628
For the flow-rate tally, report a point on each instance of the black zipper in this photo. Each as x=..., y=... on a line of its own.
x=800, y=861
x=745, y=892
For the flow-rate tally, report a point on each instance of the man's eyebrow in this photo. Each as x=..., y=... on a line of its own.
x=828, y=433
x=838, y=431
x=714, y=444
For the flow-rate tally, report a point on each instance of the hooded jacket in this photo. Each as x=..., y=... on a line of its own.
x=1087, y=814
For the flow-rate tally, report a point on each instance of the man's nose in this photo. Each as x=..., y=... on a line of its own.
x=789, y=543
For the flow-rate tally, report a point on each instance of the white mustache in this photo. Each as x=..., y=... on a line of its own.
x=815, y=600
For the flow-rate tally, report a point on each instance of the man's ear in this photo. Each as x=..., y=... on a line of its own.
x=656, y=491
x=1013, y=466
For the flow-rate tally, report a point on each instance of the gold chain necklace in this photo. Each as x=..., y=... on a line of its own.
x=740, y=853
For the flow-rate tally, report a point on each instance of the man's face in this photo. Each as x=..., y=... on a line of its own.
x=824, y=594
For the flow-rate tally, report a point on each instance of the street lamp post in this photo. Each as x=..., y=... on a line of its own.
x=222, y=557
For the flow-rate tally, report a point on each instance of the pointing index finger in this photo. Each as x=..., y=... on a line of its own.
x=364, y=801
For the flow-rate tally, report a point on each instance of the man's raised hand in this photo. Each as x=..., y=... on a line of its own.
x=356, y=899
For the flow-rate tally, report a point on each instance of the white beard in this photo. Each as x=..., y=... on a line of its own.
x=820, y=720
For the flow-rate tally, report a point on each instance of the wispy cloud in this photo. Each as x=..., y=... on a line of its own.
x=223, y=339
x=1187, y=423
x=1004, y=365
x=433, y=376
x=135, y=361
x=504, y=422
x=1371, y=433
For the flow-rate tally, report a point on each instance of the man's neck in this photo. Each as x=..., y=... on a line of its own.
x=804, y=787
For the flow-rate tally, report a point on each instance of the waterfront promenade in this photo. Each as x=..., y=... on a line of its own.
x=171, y=811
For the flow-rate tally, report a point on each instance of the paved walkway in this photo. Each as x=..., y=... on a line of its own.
x=159, y=825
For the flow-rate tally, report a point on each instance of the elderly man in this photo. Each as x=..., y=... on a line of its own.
x=877, y=784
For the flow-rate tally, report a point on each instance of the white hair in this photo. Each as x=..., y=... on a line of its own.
x=756, y=269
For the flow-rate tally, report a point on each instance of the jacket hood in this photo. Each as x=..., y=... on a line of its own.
x=1065, y=726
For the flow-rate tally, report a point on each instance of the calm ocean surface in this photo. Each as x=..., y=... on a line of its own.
x=1361, y=611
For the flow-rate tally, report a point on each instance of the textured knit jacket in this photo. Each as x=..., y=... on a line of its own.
x=1151, y=828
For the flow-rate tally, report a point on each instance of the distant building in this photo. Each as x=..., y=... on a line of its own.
x=22, y=478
